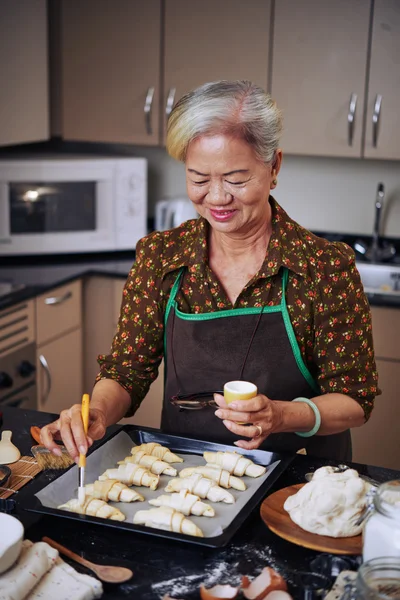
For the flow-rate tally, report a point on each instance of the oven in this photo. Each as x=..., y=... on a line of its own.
x=18, y=378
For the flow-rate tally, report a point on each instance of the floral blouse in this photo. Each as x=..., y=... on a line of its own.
x=329, y=311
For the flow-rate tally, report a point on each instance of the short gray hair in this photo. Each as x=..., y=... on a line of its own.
x=229, y=107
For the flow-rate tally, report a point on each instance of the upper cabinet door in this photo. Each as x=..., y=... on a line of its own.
x=382, y=138
x=318, y=74
x=24, y=106
x=110, y=70
x=209, y=40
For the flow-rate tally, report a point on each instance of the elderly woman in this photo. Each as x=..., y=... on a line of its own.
x=241, y=293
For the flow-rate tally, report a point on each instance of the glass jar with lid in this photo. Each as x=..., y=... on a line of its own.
x=381, y=535
x=378, y=579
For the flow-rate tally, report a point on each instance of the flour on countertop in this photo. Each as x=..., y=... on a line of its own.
x=224, y=569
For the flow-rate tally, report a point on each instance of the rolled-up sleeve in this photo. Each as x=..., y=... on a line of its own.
x=343, y=349
x=137, y=347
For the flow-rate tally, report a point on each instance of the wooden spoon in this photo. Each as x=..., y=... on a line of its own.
x=103, y=572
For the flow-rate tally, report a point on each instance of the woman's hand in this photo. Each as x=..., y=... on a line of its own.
x=263, y=416
x=69, y=428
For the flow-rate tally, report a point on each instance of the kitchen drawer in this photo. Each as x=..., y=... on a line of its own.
x=17, y=327
x=386, y=332
x=58, y=311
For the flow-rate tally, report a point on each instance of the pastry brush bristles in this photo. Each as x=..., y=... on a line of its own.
x=47, y=460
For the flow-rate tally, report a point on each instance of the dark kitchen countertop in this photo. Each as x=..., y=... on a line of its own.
x=40, y=274
x=166, y=566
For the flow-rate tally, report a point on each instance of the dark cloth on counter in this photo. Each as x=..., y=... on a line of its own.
x=328, y=309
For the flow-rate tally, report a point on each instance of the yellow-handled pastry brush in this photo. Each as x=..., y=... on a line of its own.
x=82, y=457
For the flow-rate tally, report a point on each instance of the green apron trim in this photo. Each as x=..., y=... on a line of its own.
x=282, y=307
x=232, y=312
x=171, y=302
x=292, y=338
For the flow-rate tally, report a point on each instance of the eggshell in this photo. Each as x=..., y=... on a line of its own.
x=218, y=592
x=268, y=581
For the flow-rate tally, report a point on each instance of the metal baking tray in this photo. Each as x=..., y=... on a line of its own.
x=44, y=496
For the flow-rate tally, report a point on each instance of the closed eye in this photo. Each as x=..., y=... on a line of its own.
x=200, y=182
x=235, y=182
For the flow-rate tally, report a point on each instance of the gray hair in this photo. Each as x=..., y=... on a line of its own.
x=228, y=107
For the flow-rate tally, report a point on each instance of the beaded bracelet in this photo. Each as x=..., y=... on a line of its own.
x=317, y=414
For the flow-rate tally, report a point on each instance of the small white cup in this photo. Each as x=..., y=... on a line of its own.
x=239, y=390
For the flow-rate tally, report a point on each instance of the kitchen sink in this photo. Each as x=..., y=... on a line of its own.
x=380, y=278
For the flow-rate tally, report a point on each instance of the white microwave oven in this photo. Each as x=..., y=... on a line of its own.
x=70, y=204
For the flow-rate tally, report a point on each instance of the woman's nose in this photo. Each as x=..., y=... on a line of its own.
x=217, y=194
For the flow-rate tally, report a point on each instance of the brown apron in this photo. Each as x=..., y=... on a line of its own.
x=204, y=351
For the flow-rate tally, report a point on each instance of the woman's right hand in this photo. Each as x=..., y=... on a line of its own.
x=69, y=428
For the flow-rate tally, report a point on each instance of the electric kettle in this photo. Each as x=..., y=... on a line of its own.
x=173, y=212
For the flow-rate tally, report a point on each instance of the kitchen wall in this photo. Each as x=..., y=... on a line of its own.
x=323, y=194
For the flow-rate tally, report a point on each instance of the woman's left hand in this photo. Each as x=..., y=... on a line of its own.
x=261, y=416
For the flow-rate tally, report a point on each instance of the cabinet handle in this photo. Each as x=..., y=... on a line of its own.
x=148, y=103
x=46, y=368
x=58, y=299
x=170, y=101
x=375, y=119
x=350, y=118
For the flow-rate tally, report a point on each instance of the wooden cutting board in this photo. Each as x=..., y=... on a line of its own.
x=278, y=520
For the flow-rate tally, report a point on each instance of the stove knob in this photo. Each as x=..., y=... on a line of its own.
x=5, y=380
x=26, y=368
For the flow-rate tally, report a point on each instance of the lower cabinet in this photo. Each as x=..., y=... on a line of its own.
x=59, y=372
x=378, y=441
x=101, y=307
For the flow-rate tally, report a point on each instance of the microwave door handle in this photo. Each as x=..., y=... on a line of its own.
x=46, y=368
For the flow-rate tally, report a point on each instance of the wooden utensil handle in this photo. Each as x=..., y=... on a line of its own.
x=66, y=552
x=35, y=433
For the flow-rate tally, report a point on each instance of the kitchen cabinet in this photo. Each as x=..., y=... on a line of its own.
x=110, y=60
x=110, y=69
x=337, y=88
x=102, y=302
x=24, y=107
x=378, y=441
x=318, y=74
x=59, y=347
x=382, y=139
x=59, y=367
x=228, y=39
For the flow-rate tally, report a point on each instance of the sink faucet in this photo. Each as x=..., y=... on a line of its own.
x=375, y=249
x=376, y=252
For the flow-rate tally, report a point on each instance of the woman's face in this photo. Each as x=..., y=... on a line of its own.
x=228, y=184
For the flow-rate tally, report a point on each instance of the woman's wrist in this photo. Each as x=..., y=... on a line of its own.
x=111, y=399
x=294, y=416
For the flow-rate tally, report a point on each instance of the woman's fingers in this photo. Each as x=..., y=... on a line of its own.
x=48, y=433
x=252, y=444
x=249, y=431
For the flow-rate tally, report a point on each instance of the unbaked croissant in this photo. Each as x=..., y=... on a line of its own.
x=93, y=507
x=220, y=476
x=184, y=502
x=168, y=519
x=152, y=463
x=159, y=451
x=114, y=490
x=235, y=463
x=132, y=474
x=202, y=487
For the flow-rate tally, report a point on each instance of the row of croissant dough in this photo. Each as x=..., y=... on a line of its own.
x=144, y=467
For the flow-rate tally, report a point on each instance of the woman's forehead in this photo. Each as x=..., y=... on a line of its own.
x=217, y=150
